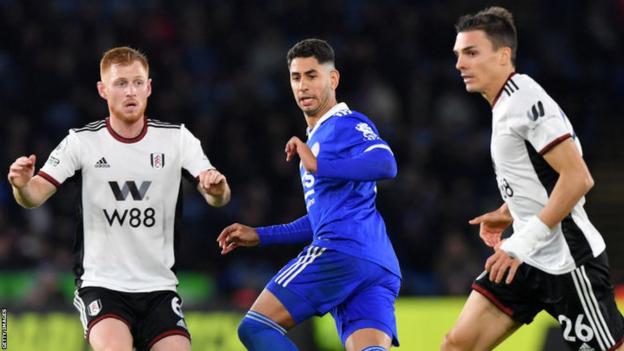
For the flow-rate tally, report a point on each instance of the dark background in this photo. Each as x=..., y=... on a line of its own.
x=220, y=68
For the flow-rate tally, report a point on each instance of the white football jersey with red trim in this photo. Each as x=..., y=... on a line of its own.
x=526, y=124
x=130, y=198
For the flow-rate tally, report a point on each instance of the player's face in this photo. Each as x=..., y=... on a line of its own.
x=477, y=61
x=313, y=85
x=126, y=89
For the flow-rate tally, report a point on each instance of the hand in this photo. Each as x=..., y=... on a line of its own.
x=213, y=182
x=296, y=146
x=492, y=225
x=237, y=235
x=21, y=171
x=499, y=263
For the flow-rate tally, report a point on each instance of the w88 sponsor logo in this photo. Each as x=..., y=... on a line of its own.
x=134, y=216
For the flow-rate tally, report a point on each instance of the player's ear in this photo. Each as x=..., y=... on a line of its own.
x=334, y=77
x=149, y=87
x=101, y=90
x=505, y=55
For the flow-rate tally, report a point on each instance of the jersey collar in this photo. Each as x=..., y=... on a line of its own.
x=501, y=90
x=339, y=107
x=123, y=139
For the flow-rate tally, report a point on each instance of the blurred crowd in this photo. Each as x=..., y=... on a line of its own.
x=219, y=67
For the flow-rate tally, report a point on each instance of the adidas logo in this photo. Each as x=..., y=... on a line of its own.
x=102, y=163
x=586, y=347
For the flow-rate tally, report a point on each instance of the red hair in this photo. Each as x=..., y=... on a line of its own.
x=122, y=56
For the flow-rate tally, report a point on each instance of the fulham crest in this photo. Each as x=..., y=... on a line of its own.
x=95, y=307
x=157, y=160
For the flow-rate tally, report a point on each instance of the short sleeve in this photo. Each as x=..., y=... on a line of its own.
x=358, y=135
x=543, y=124
x=63, y=161
x=194, y=160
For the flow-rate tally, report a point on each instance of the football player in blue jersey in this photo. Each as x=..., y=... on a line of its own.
x=349, y=267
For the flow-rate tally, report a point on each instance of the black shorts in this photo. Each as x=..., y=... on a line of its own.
x=582, y=301
x=149, y=316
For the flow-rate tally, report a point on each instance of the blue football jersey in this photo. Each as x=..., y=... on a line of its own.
x=342, y=212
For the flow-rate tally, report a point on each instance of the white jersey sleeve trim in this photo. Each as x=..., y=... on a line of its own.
x=379, y=146
x=63, y=161
x=49, y=178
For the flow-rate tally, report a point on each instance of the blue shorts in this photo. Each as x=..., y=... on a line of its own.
x=358, y=293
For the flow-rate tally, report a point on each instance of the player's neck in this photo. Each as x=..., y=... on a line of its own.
x=491, y=93
x=312, y=120
x=127, y=129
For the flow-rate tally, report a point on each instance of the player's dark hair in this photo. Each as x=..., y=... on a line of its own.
x=316, y=48
x=498, y=25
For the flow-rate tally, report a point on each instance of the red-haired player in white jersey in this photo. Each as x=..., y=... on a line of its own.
x=130, y=167
x=555, y=260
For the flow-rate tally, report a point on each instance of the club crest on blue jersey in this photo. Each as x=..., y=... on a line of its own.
x=157, y=160
x=367, y=131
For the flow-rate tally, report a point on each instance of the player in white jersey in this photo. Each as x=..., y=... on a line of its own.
x=555, y=260
x=130, y=168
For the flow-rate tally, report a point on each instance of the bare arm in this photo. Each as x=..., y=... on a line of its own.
x=214, y=187
x=573, y=183
x=29, y=191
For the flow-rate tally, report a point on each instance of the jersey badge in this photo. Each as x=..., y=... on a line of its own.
x=367, y=131
x=157, y=160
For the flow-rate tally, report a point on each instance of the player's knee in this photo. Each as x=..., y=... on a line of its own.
x=113, y=347
x=256, y=326
x=451, y=343
x=112, y=344
x=446, y=343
